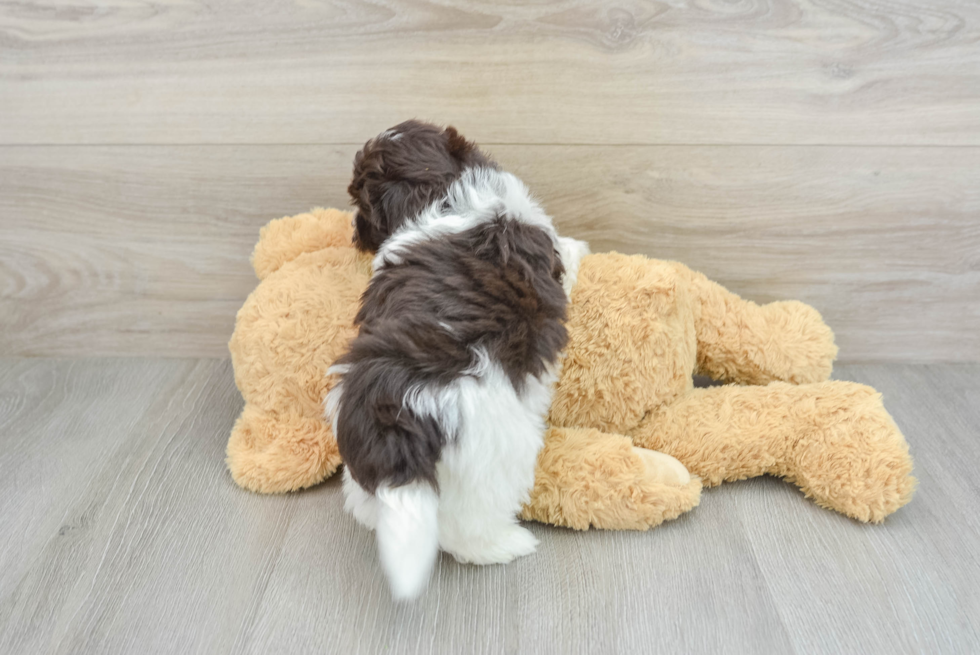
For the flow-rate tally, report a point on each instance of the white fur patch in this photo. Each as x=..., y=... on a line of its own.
x=486, y=474
x=359, y=503
x=443, y=405
x=479, y=196
x=571, y=252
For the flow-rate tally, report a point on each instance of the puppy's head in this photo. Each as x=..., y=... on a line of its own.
x=403, y=170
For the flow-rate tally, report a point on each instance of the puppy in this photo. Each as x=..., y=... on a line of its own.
x=440, y=410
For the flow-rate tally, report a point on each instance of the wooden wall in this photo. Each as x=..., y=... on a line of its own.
x=813, y=149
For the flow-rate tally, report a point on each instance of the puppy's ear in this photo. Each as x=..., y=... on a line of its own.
x=363, y=237
x=403, y=201
x=364, y=234
x=389, y=200
x=365, y=196
x=458, y=146
x=465, y=153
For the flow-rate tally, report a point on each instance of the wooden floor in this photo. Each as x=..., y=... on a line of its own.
x=123, y=533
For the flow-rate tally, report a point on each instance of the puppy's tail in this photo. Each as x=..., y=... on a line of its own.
x=391, y=426
x=408, y=536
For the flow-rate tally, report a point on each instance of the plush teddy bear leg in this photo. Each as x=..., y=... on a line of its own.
x=833, y=439
x=276, y=454
x=740, y=341
x=586, y=478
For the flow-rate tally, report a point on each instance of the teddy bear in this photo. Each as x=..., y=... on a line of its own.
x=631, y=441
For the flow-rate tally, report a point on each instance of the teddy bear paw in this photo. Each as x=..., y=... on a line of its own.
x=663, y=468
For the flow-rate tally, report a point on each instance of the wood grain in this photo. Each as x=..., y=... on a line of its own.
x=123, y=533
x=911, y=569
x=561, y=71
x=144, y=250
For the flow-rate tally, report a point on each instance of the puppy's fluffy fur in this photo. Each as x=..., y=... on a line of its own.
x=401, y=172
x=439, y=414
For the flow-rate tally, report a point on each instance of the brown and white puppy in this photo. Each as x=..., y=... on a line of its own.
x=440, y=411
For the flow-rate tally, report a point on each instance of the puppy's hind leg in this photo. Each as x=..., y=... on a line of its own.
x=486, y=475
x=477, y=525
x=510, y=542
x=360, y=504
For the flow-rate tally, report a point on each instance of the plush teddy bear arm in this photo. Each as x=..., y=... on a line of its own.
x=285, y=239
x=275, y=453
x=288, y=333
x=834, y=439
x=587, y=478
x=740, y=341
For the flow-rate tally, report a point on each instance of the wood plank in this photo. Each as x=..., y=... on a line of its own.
x=595, y=592
x=144, y=250
x=919, y=569
x=126, y=537
x=785, y=71
x=124, y=533
x=58, y=421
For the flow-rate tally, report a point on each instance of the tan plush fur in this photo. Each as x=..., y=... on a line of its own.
x=288, y=332
x=639, y=330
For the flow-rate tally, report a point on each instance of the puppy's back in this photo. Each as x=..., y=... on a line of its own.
x=489, y=292
x=470, y=298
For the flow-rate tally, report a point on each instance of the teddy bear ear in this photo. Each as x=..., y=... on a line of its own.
x=284, y=239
